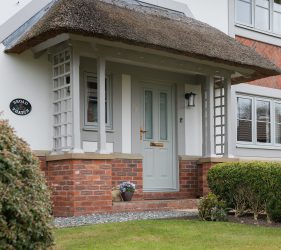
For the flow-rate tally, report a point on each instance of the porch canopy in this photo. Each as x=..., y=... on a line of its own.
x=135, y=23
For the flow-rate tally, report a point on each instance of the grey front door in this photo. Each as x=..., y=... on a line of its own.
x=157, y=140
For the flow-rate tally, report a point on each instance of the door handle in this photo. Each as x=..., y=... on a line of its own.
x=142, y=132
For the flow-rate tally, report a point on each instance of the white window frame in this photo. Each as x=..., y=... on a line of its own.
x=94, y=125
x=253, y=19
x=254, y=143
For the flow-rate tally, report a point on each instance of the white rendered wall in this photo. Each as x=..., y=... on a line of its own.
x=193, y=123
x=214, y=12
x=10, y=7
x=22, y=76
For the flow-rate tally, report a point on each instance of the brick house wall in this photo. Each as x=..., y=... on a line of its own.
x=272, y=52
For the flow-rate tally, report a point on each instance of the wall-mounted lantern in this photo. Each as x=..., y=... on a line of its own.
x=190, y=97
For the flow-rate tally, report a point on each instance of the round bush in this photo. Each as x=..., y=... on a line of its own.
x=25, y=220
x=246, y=185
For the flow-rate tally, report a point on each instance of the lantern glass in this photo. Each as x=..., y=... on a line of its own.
x=190, y=99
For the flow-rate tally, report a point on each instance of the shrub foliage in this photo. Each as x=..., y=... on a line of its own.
x=211, y=208
x=247, y=185
x=25, y=220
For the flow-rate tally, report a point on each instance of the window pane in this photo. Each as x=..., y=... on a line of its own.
x=262, y=17
x=277, y=5
x=92, y=99
x=163, y=116
x=148, y=114
x=244, y=108
x=277, y=22
x=278, y=112
x=278, y=123
x=263, y=122
x=244, y=131
x=244, y=11
x=263, y=111
x=277, y=16
x=278, y=133
x=244, y=119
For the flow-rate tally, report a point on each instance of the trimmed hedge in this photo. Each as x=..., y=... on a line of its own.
x=25, y=220
x=247, y=185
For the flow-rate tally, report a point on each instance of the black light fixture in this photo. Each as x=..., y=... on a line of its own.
x=190, y=97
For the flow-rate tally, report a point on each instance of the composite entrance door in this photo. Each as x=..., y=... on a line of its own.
x=156, y=136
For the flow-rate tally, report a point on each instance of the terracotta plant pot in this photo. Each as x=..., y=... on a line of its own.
x=127, y=196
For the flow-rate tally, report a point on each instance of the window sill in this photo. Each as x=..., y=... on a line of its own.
x=268, y=33
x=252, y=146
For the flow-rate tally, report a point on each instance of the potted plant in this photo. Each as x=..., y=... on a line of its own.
x=127, y=190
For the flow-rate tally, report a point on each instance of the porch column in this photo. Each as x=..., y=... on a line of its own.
x=229, y=135
x=101, y=105
x=208, y=144
x=76, y=116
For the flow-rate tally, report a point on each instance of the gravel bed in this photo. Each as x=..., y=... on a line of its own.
x=121, y=217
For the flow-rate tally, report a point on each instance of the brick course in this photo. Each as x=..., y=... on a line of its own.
x=272, y=52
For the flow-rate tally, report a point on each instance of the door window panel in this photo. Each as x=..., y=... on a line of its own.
x=163, y=117
x=148, y=99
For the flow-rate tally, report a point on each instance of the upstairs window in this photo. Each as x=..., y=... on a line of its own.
x=258, y=121
x=264, y=15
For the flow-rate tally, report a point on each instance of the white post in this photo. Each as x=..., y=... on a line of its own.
x=76, y=116
x=208, y=117
x=229, y=140
x=101, y=106
x=126, y=115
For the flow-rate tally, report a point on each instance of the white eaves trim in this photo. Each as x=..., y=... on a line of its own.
x=21, y=17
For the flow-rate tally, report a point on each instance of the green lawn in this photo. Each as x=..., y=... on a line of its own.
x=168, y=234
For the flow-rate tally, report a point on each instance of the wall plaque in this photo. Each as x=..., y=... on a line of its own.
x=20, y=106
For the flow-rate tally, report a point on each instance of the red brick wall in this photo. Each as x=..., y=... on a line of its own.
x=272, y=52
x=80, y=186
x=84, y=186
x=204, y=173
x=128, y=170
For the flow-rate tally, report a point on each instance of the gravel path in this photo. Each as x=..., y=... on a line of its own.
x=121, y=217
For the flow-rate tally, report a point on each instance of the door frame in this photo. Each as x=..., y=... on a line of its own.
x=137, y=88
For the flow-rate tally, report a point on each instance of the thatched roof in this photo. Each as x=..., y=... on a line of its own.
x=129, y=22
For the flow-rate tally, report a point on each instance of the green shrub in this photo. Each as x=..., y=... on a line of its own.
x=273, y=208
x=25, y=221
x=211, y=208
x=246, y=185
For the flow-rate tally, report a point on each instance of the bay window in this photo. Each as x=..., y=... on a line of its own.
x=264, y=15
x=91, y=101
x=258, y=121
